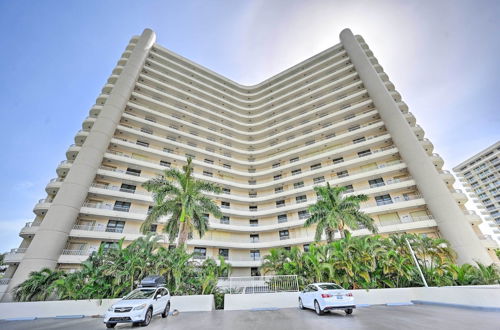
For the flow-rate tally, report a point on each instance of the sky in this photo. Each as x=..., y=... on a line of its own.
x=55, y=56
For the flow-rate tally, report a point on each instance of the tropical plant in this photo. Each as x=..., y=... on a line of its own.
x=335, y=211
x=38, y=286
x=180, y=199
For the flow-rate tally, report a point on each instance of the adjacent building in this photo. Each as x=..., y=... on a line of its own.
x=335, y=117
x=480, y=174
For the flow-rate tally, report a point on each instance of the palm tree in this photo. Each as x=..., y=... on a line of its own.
x=180, y=198
x=335, y=211
x=39, y=285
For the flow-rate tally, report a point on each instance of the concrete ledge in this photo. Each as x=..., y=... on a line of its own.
x=473, y=307
x=82, y=308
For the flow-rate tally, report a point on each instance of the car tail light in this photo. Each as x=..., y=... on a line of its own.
x=326, y=295
x=349, y=294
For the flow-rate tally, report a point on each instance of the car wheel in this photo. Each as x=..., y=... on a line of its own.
x=348, y=311
x=165, y=312
x=110, y=325
x=317, y=308
x=147, y=318
x=301, y=305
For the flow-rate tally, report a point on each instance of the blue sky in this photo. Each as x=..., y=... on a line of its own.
x=55, y=56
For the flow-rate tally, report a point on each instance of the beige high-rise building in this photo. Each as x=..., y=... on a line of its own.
x=335, y=117
x=480, y=174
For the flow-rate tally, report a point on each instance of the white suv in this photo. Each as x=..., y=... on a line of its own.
x=139, y=306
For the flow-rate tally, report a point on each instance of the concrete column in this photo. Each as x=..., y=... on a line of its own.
x=50, y=239
x=449, y=217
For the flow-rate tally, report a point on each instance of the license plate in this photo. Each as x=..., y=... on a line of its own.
x=339, y=297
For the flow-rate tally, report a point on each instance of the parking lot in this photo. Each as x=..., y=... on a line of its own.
x=374, y=317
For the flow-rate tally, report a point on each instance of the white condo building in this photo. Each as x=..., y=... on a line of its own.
x=335, y=117
x=480, y=174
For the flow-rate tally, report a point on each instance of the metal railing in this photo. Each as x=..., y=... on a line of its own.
x=75, y=252
x=259, y=284
x=18, y=251
x=4, y=281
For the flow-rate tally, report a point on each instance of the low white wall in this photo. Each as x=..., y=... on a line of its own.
x=482, y=296
x=93, y=307
x=260, y=300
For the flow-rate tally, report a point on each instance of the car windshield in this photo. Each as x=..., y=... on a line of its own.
x=330, y=287
x=140, y=294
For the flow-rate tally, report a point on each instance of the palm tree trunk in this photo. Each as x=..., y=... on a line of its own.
x=183, y=234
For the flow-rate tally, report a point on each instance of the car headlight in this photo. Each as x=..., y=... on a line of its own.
x=138, y=308
x=111, y=308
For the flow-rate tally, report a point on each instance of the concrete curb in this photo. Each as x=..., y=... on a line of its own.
x=472, y=307
x=399, y=304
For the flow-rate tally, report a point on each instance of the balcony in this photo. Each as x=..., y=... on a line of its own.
x=488, y=241
x=29, y=228
x=15, y=255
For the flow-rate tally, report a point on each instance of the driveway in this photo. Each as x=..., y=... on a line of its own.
x=419, y=317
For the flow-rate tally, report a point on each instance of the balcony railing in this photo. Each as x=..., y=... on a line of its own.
x=18, y=251
x=117, y=188
x=79, y=252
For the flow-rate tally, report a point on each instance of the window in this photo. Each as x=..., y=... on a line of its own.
x=115, y=226
x=168, y=150
x=225, y=205
x=121, y=206
x=133, y=171
x=319, y=179
x=342, y=174
x=224, y=220
x=142, y=143
x=252, y=208
x=284, y=234
x=171, y=138
x=349, y=117
x=278, y=190
x=251, y=170
x=147, y=130
x=306, y=247
x=280, y=203
x=255, y=254
x=359, y=140
x=252, y=194
x=224, y=253
x=315, y=166
x=254, y=222
x=254, y=271
x=276, y=165
x=282, y=218
x=108, y=245
x=129, y=188
x=353, y=128
x=226, y=191
x=376, y=183
x=383, y=200
x=349, y=188
x=226, y=166
x=301, y=199
x=150, y=208
x=303, y=214
x=208, y=161
x=298, y=185
x=254, y=238
x=297, y=171
x=151, y=119
x=252, y=182
x=153, y=228
x=364, y=153
x=277, y=177
x=206, y=173
x=293, y=160
x=199, y=253
x=190, y=156
x=338, y=160
x=165, y=163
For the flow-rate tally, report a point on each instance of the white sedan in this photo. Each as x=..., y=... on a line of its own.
x=139, y=306
x=326, y=296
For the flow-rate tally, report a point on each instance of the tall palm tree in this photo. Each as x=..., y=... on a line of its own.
x=40, y=285
x=335, y=211
x=181, y=199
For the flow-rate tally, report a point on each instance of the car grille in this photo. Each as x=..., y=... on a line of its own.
x=122, y=309
x=117, y=319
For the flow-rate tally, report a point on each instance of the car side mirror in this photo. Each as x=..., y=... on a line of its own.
x=158, y=297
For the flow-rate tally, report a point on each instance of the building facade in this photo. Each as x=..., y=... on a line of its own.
x=335, y=117
x=480, y=174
